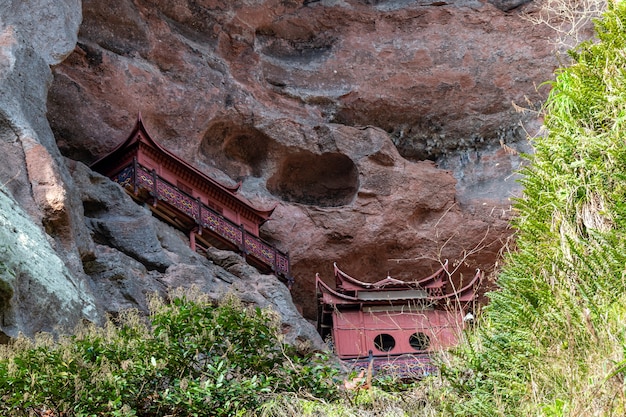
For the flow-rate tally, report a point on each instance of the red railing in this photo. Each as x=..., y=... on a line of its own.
x=136, y=177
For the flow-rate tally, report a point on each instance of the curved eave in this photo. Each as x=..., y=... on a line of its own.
x=433, y=280
x=332, y=297
x=436, y=279
x=130, y=141
x=140, y=134
x=467, y=293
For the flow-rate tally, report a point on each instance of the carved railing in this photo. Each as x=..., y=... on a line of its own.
x=136, y=177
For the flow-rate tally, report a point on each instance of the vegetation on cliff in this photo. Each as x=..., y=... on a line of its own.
x=191, y=358
x=552, y=339
x=551, y=342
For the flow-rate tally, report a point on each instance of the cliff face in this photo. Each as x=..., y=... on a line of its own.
x=43, y=237
x=384, y=130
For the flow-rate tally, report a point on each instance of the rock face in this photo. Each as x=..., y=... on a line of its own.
x=44, y=237
x=217, y=76
x=137, y=255
x=37, y=291
x=74, y=245
x=384, y=130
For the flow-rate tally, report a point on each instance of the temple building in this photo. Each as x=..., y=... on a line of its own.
x=210, y=213
x=395, y=324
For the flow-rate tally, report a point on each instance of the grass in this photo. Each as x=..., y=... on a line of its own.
x=190, y=358
x=551, y=341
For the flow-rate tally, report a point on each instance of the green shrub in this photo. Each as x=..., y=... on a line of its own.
x=191, y=358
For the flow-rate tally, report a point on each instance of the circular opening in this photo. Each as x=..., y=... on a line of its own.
x=384, y=342
x=419, y=341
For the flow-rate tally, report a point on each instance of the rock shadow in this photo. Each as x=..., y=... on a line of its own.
x=294, y=44
x=236, y=149
x=326, y=180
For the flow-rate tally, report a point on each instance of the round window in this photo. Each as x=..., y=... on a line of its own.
x=384, y=342
x=419, y=341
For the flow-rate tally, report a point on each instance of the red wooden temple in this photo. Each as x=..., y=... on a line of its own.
x=212, y=214
x=395, y=324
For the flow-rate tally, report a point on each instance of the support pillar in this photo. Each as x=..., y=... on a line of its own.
x=192, y=239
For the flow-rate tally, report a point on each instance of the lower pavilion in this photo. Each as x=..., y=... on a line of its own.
x=396, y=325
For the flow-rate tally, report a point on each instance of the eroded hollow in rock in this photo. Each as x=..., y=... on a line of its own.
x=236, y=149
x=296, y=47
x=327, y=180
x=6, y=313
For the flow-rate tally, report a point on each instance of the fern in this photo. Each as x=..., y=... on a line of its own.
x=551, y=338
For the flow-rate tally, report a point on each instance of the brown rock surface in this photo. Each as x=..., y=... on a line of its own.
x=73, y=245
x=437, y=78
x=334, y=109
x=383, y=129
x=137, y=255
x=134, y=255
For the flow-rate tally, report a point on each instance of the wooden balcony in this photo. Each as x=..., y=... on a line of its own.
x=206, y=227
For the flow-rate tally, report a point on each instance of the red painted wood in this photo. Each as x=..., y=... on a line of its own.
x=392, y=318
x=152, y=173
x=172, y=169
x=354, y=332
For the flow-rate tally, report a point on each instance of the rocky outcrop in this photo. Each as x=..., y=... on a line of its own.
x=385, y=131
x=74, y=245
x=436, y=77
x=404, y=219
x=137, y=255
x=37, y=291
x=44, y=237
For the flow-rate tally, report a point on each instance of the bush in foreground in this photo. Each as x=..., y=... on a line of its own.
x=191, y=358
x=552, y=339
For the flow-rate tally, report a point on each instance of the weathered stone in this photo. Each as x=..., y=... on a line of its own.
x=120, y=280
x=436, y=77
x=326, y=108
x=507, y=5
x=49, y=27
x=331, y=109
x=137, y=255
x=49, y=289
x=37, y=291
x=117, y=222
x=267, y=291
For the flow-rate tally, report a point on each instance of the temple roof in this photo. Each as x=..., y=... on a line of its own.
x=140, y=135
x=407, y=291
x=346, y=283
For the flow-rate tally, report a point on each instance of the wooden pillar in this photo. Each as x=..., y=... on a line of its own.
x=244, y=251
x=275, y=265
x=135, y=166
x=155, y=191
x=192, y=239
x=290, y=278
x=199, y=219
